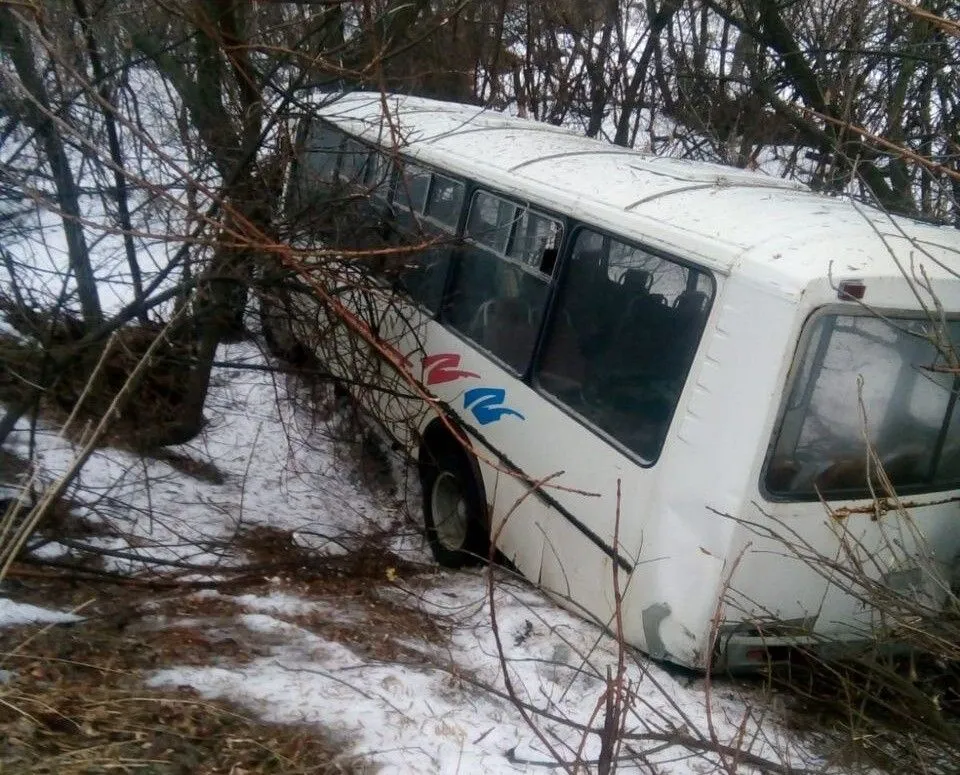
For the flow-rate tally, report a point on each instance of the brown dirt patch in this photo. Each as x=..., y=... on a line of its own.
x=370, y=625
x=77, y=703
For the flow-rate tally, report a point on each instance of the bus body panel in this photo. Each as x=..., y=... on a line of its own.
x=579, y=472
x=902, y=550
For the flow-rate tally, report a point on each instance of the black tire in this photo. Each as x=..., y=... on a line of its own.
x=450, y=487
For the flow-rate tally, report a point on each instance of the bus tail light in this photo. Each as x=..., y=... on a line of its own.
x=850, y=290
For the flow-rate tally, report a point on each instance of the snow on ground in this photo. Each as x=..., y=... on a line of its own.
x=13, y=614
x=299, y=483
x=447, y=710
x=437, y=705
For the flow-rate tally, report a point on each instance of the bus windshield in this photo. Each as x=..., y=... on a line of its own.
x=866, y=378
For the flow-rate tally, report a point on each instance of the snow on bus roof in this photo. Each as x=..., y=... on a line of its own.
x=726, y=218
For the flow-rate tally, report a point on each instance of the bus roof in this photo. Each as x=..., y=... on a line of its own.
x=729, y=219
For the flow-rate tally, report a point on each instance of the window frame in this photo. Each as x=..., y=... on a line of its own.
x=352, y=145
x=521, y=206
x=293, y=192
x=337, y=152
x=477, y=192
x=399, y=190
x=527, y=210
x=420, y=217
x=801, y=349
x=452, y=228
x=380, y=190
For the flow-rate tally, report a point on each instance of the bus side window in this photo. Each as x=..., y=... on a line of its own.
x=425, y=273
x=622, y=339
x=315, y=169
x=536, y=241
x=444, y=202
x=409, y=196
x=379, y=177
x=354, y=159
x=403, y=215
x=491, y=221
x=321, y=151
x=499, y=294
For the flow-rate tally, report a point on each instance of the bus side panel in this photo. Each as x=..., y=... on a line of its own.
x=398, y=405
x=581, y=576
x=566, y=536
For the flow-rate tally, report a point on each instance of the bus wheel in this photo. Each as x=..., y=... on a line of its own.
x=453, y=511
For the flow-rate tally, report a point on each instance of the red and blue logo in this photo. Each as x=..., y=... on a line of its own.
x=487, y=404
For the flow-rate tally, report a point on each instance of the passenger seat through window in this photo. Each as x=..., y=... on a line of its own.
x=622, y=338
x=499, y=289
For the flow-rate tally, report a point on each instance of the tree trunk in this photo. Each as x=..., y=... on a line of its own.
x=116, y=155
x=39, y=115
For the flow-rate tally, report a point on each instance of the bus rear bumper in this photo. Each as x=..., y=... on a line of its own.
x=742, y=653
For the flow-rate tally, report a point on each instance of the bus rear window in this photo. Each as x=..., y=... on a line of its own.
x=865, y=378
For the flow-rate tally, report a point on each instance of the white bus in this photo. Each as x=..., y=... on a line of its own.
x=689, y=358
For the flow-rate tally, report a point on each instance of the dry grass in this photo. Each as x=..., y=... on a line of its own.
x=77, y=701
x=374, y=627
x=887, y=714
x=92, y=729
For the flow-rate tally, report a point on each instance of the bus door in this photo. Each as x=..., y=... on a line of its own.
x=422, y=223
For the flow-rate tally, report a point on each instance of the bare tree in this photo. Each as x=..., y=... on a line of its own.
x=35, y=109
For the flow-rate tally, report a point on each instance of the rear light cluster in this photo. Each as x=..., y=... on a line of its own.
x=851, y=290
